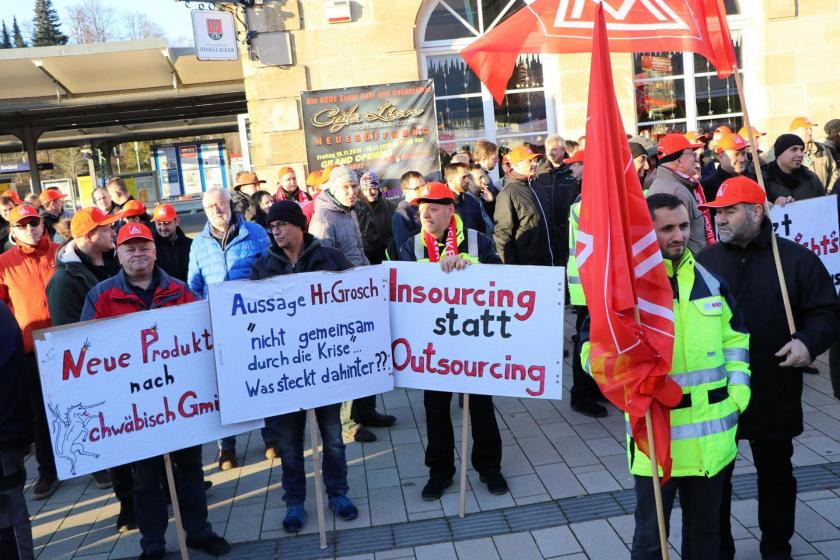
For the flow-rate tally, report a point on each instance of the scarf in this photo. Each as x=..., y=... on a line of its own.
x=432, y=244
x=697, y=190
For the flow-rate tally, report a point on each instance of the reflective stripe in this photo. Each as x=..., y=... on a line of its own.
x=572, y=251
x=738, y=378
x=419, y=249
x=700, y=376
x=711, y=282
x=586, y=366
x=574, y=280
x=707, y=428
x=736, y=355
x=472, y=243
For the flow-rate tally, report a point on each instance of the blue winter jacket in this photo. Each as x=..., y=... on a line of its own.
x=209, y=264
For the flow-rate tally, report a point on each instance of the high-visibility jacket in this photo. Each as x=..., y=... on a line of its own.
x=711, y=364
x=576, y=296
x=473, y=246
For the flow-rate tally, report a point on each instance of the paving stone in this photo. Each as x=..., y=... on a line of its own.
x=599, y=480
x=574, y=451
x=556, y=541
x=559, y=481
x=476, y=548
x=606, y=446
x=516, y=546
x=829, y=509
x=539, y=450
x=386, y=506
x=440, y=551
x=525, y=485
x=383, y=478
x=812, y=526
x=598, y=539
x=396, y=554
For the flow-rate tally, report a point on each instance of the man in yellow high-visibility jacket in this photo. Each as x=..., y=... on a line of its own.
x=711, y=364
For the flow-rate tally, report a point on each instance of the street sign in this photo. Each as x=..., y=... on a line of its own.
x=215, y=35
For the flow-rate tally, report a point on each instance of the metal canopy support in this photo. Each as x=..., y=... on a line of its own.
x=30, y=142
x=39, y=64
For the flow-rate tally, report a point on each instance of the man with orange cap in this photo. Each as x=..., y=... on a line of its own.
x=732, y=158
x=8, y=200
x=816, y=156
x=52, y=207
x=25, y=271
x=173, y=245
x=287, y=187
x=245, y=186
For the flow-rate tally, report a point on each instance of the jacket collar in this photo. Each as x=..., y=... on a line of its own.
x=310, y=243
x=165, y=289
x=687, y=259
x=759, y=243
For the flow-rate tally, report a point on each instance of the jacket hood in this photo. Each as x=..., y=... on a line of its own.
x=328, y=201
x=67, y=253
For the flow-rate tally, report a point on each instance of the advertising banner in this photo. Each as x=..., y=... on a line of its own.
x=491, y=330
x=390, y=129
x=124, y=389
x=300, y=341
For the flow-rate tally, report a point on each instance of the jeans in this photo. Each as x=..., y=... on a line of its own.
x=15, y=528
x=150, y=501
x=43, y=445
x=290, y=430
x=269, y=435
x=440, y=452
x=776, y=500
x=700, y=499
x=584, y=388
x=122, y=479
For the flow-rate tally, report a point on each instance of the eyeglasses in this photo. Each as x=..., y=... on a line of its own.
x=28, y=223
x=276, y=226
x=216, y=205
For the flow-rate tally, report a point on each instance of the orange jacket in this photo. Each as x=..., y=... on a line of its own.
x=23, y=286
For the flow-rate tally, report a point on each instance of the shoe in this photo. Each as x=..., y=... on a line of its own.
x=102, y=480
x=158, y=555
x=227, y=459
x=45, y=487
x=363, y=435
x=378, y=420
x=434, y=488
x=125, y=519
x=811, y=370
x=271, y=451
x=214, y=545
x=343, y=507
x=496, y=483
x=295, y=518
x=590, y=408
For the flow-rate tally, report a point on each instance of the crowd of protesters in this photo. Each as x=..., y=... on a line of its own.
x=518, y=206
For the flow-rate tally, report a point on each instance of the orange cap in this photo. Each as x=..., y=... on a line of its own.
x=325, y=174
x=801, y=122
x=133, y=207
x=577, y=157
x=721, y=131
x=164, y=213
x=731, y=142
x=673, y=143
x=521, y=153
x=434, y=192
x=134, y=231
x=284, y=170
x=49, y=195
x=87, y=219
x=23, y=212
x=745, y=135
x=695, y=138
x=735, y=191
x=12, y=195
x=314, y=178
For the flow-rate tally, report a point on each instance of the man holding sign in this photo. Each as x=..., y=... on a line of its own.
x=140, y=286
x=293, y=250
x=444, y=239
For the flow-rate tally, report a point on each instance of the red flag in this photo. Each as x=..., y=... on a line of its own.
x=627, y=289
x=565, y=26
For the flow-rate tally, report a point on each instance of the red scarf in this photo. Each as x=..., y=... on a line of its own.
x=451, y=242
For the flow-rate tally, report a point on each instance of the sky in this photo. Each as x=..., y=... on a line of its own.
x=172, y=16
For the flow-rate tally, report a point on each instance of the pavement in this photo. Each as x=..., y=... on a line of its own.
x=571, y=495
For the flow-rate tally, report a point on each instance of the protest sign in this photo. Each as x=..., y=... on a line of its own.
x=812, y=223
x=124, y=389
x=300, y=341
x=491, y=330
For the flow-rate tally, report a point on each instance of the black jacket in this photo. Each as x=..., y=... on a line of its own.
x=404, y=224
x=314, y=257
x=173, y=254
x=775, y=409
x=74, y=276
x=559, y=188
x=801, y=184
x=15, y=412
x=372, y=242
x=383, y=213
x=521, y=232
x=241, y=204
x=469, y=209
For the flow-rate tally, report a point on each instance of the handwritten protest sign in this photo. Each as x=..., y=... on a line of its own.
x=813, y=223
x=492, y=330
x=124, y=389
x=300, y=341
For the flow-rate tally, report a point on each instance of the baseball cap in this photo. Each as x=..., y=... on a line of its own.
x=577, y=157
x=23, y=212
x=134, y=230
x=88, y=219
x=721, y=131
x=247, y=179
x=325, y=174
x=737, y=190
x=314, y=178
x=731, y=142
x=436, y=193
x=12, y=195
x=133, y=208
x=695, y=138
x=283, y=171
x=831, y=128
x=164, y=213
x=801, y=122
x=49, y=195
x=675, y=143
x=745, y=135
x=521, y=154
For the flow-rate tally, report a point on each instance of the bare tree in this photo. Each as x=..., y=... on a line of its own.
x=91, y=21
x=137, y=25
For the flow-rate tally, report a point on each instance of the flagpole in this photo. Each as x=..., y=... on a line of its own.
x=760, y=177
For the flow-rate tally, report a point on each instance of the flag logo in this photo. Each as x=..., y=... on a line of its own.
x=214, y=29
x=630, y=15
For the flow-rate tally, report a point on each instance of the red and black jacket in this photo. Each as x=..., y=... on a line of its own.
x=114, y=297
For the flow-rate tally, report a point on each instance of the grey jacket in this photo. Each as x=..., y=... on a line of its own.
x=669, y=182
x=337, y=226
x=820, y=160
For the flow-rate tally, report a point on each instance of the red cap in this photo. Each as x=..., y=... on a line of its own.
x=23, y=212
x=737, y=190
x=521, y=154
x=49, y=195
x=577, y=157
x=133, y=207
x=134, y=230
x=435, y=192
x=13, y=195
x=164, y=213
x=87, y=219
x=673, y=143
x=731, y=142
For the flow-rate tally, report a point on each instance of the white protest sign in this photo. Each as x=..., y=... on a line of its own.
x=124, y=389
x=812, y=223
x=489, y=329
x=300, y=341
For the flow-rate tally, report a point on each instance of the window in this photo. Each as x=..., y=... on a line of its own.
x=676, y=92
x=465, y=110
